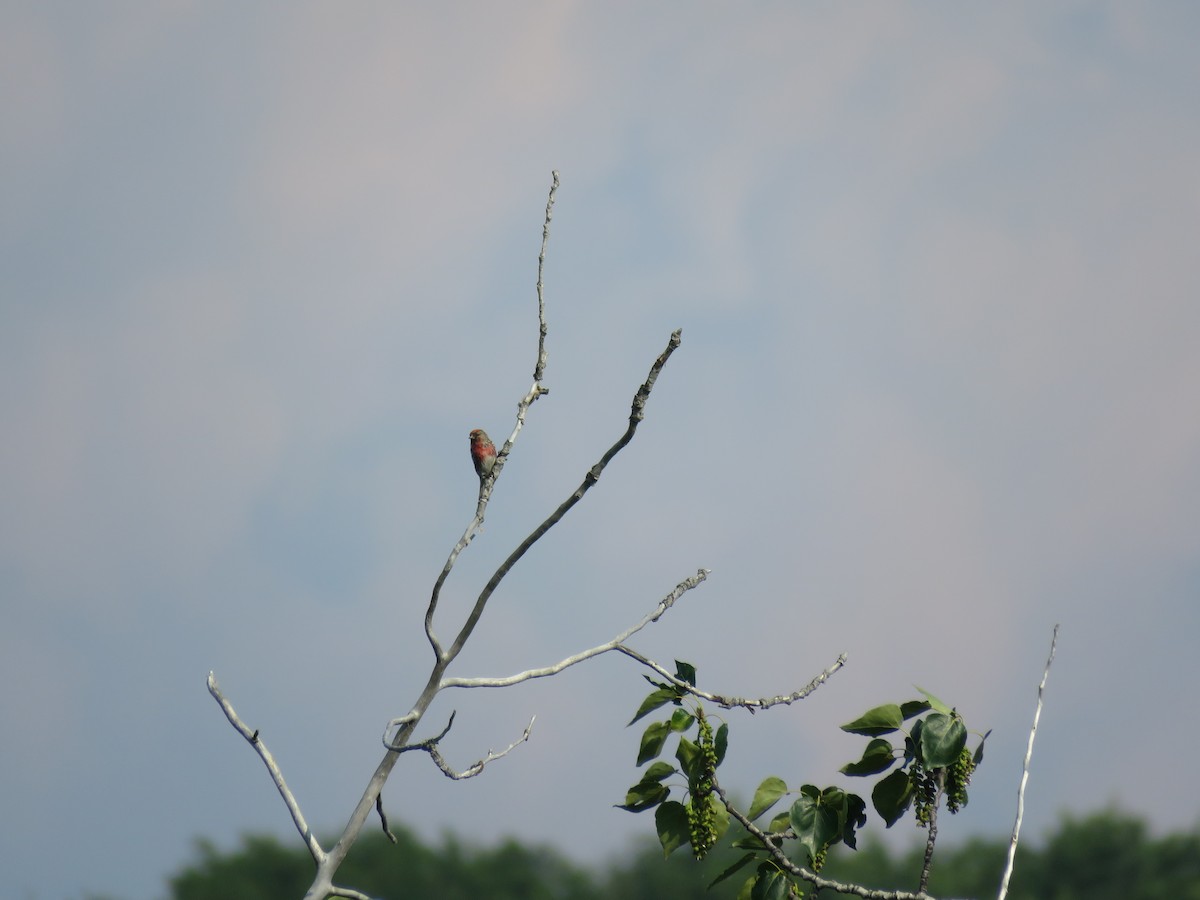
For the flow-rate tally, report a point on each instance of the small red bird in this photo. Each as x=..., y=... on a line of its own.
x=483, y=452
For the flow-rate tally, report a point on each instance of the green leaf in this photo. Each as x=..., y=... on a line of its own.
x=658, y=771
x=942, y=739
x=721, y=742
x=814, y=823
x=720, y=816
x=877, y=757
x=688, y=755
x=644, y=795
x=850, y=810
x=934, y=702
x=855, y=818
x=833, y=799
x=685, y=672
x=910, y=708
x=681, y=720
x=892, y=796
x=733, y=869
x=914, y=735
x=766, y=796
x=874, y=722
x=672, y=824
x=979, y=749
x=771, y=884
x=653, y=739
x=780, y=822
x=654, y=700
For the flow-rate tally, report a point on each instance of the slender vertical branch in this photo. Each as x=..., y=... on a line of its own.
x=540, y=367
x=1037, y=714
x=486, y=484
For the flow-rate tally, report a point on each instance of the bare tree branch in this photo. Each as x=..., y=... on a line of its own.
x=405, y=724
x=399, y=731
x=731, y=702
x=1037, y=714
x=540, y=368
x=615, y=644
x=487, y=483
x=430, y=746
x=400, y=748
x=260, y=748
x=636, y=414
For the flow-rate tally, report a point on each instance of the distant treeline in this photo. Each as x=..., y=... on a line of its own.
x=1098, y=857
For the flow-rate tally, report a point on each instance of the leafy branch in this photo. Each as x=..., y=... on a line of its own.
x=931, y=763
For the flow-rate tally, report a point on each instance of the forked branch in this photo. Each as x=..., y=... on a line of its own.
x=637, y=413
x=430, y=746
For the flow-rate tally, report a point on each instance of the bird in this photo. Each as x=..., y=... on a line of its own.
x=483, y=453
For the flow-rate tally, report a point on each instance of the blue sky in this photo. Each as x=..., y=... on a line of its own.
x=263, y=269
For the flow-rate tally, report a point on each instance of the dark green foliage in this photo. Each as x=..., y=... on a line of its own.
x=262, y=869
x=1104, y=856
x=1097, y=857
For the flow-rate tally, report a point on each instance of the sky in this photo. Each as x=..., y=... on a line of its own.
x=263, y=268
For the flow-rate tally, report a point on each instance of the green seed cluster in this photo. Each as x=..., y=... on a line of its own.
x=700, y=813
x=958, y=776
x=819, y=859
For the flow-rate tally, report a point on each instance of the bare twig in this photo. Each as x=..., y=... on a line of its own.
x=540, y=368
x=1037, y=714
x=289, y=799
x=430, y=746
x=731, y=702
x=615, y=644
x=383, y=822
x=421, y=744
